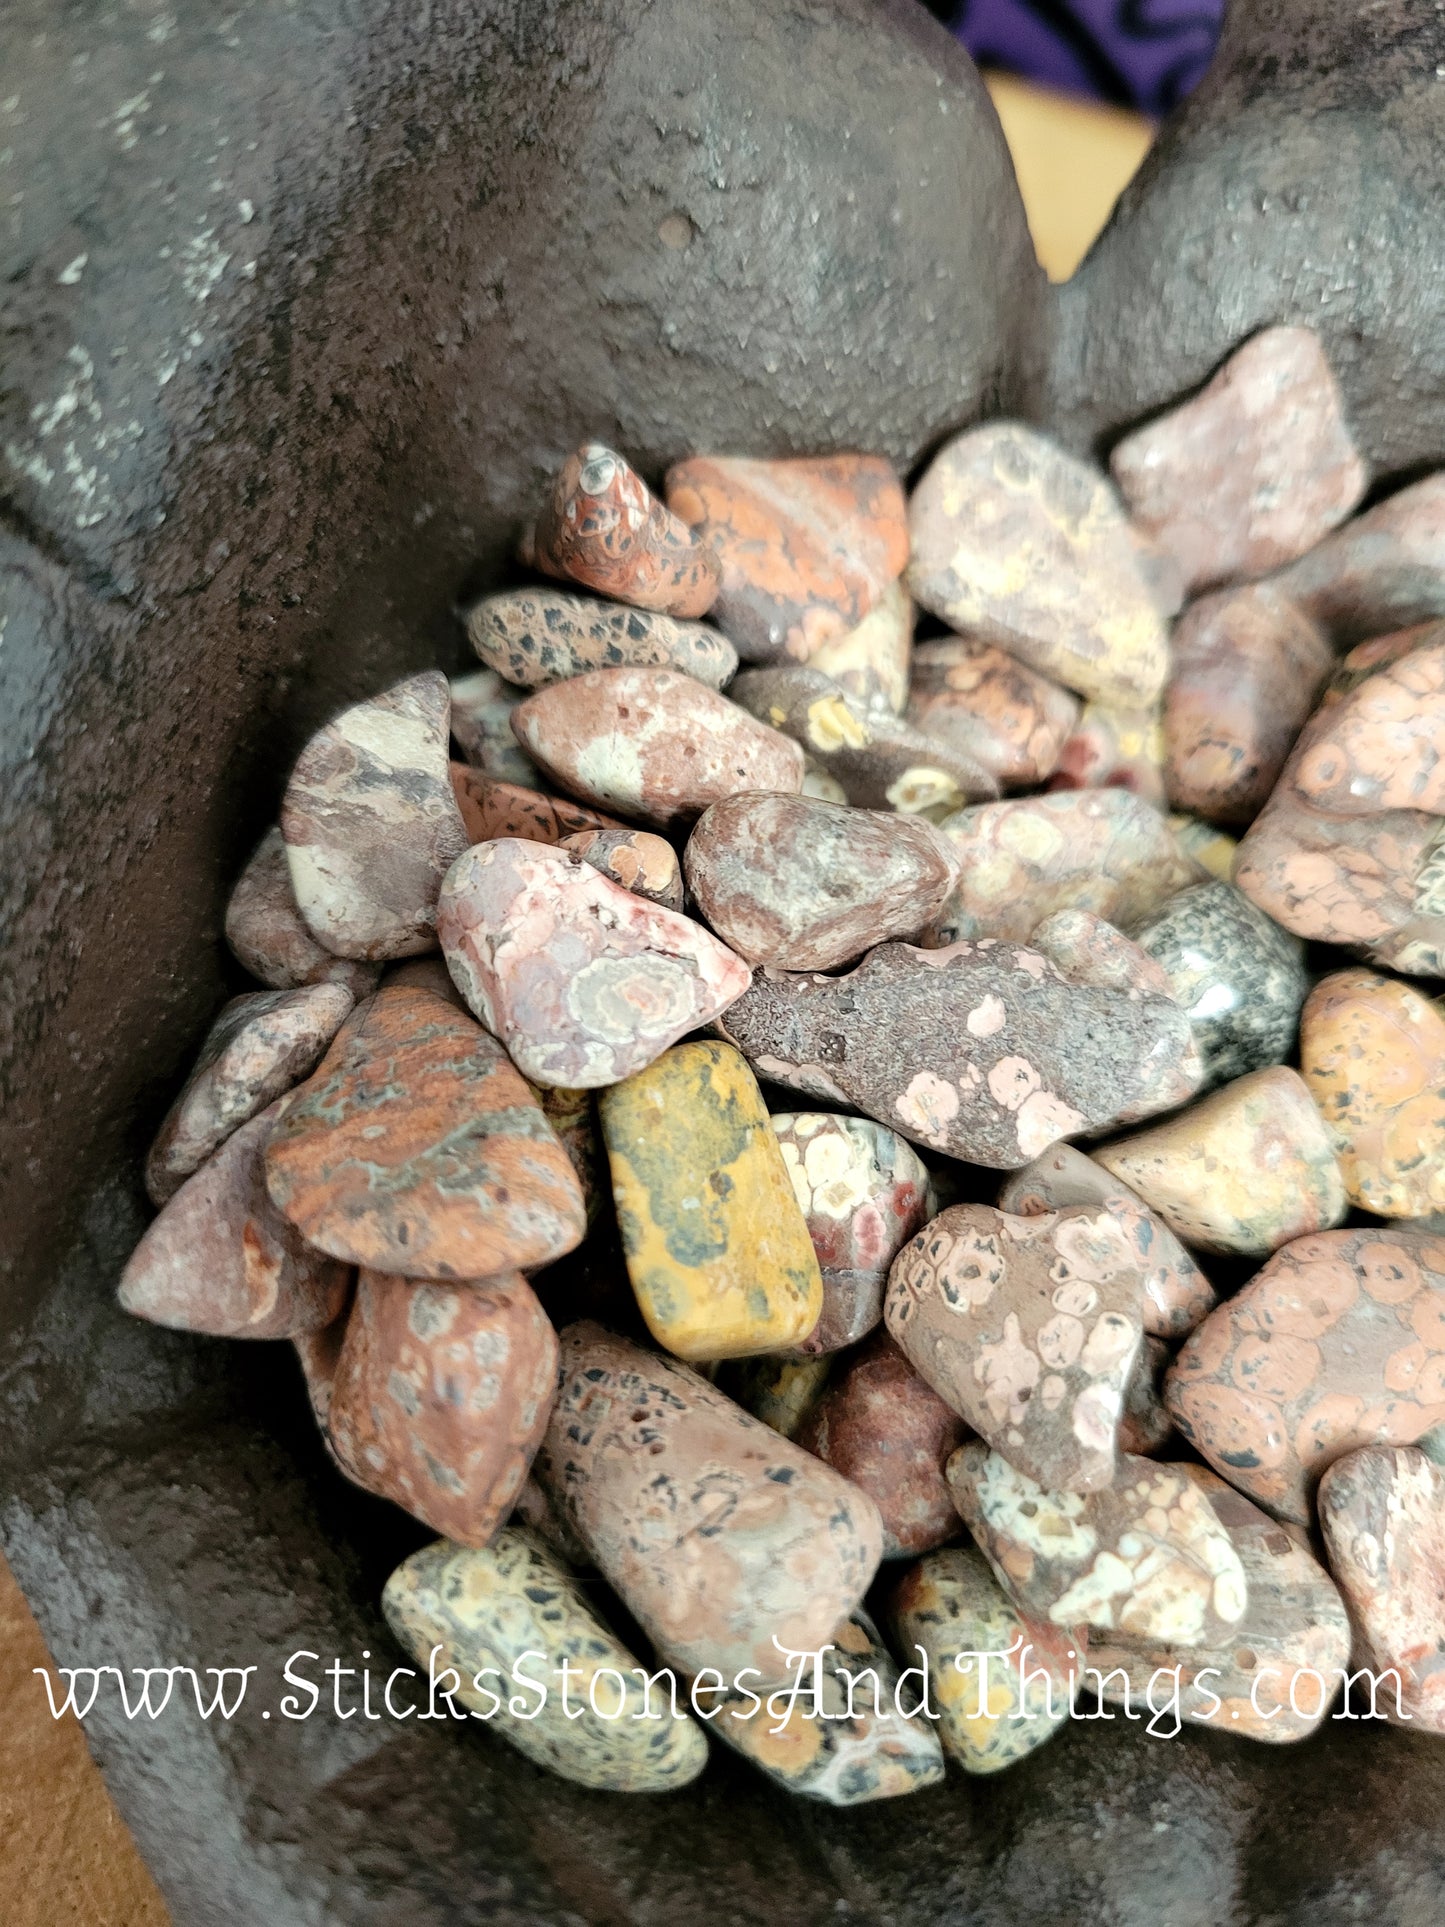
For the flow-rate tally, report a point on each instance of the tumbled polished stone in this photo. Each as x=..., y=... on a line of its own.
x=1339, y=1341
x=440, y=1396
x=1372, y=1052
x=871, y=663
x=854, y=1739
x=804, y=885
x=1251, y=471
x=982, y=1051
x=257, y=1049
x=481, y=725
x=1145, y=1555
x=982, y=700
x=1276, y=1675
x=268, y=934
x=514, y=1604
x=491, y=809
x=1382, y=1513
x=539, y=636
x=1114, y=747
x=221, y=1259
x=1247, y=670
x=1382, y=571
x=780, y=1388
x=653, y=743
x=1021, y=860
x=717, y=1249
x=807, y=546
x=603, y=527
x=645, y=864
x=1029, y=1328
x=1239, y=978
x=863, y=1192
x=1245, y=1169
x=724, y=1541
x=371, y=823
x=1376, y=742
x=583, y=981
x=1024, y=545
x=416, y=1148
x=950, y=1610
x=889, y=1433
x=880, y=761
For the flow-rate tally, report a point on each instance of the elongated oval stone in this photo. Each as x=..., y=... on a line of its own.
x=512, y=1605
x=1338, y=1342
x=416, y=1148
x=603, y=527
x=259, y=1046
x=1028, y=1328
x=863, y=1192
x=584, y=982
x=717, y=1249
x=481, y=724
x=982, y=700
x=1145, y=1555
x=371, y=823
x=1009, y=1691
x=645, y=864
x=492, y=809
x=725, y=1541
x=221, y=1259
x=268, y=934
x=871, y=663
x=848, y=1737
x=1245, y=1169
x=1372, y=1052
x=440, y=1397
x=652, y=743
x=538, y=636
x=804, y=885
x=1027, y=547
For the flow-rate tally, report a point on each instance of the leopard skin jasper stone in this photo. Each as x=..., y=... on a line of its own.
x=781, y=1389
x=416, y=1148
x=482, y=706
x=1378, y=746
x=1113, y=746
x=880, y=761
x=1373, y=1054
x=1293, y=1640
x=539, y=636
x=890, y=1434
x=982, y=1051
x=583, y=981
x=221, y=1259
x=1247, y=670
x=994, y=708
x=1010, y=1690
x=1145, y=1426
x=602, y=527
x=1021, y=860
x=1253, y=470
x=259, y=1046
x=514, y=1604
x=1145, y=1555
x=645, y=864
x=1029, y=1328
x=1245, y=1169
x=1382, y=1513
x=717, y=1249
x=849, y=1736
x=491, y=809
x=804, y=885
x=1240, y=979
x=807, y=547
x=371, y=823
x=1384, y=570
x=268, y=934
x=1205, y=844
x=1176, y=1295
x=724, y=1541
x=1023, y=545
x=871, y=663
x=653, y=744
x=440, y=1397
x=1338, y=1342
x=863, y=1192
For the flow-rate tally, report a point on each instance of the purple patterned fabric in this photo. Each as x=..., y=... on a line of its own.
x=1137, y=53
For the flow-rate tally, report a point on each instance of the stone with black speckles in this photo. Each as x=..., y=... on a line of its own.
x=602, y=527
x=584, y=982
x=515, y=1604
x=994, y=708
x=491, y=809
x=538, y=636
x=268, y=934
x=645, y=864
x=481, y=725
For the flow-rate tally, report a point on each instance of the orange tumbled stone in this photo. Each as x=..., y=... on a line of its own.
x=491, y=809
x=603, y=527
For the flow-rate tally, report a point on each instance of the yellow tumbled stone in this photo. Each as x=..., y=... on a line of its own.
x=717, y=1249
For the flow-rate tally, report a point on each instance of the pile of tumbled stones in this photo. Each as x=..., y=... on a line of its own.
x=802, y=1349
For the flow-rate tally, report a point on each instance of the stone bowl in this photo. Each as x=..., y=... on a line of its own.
x=301, y=306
